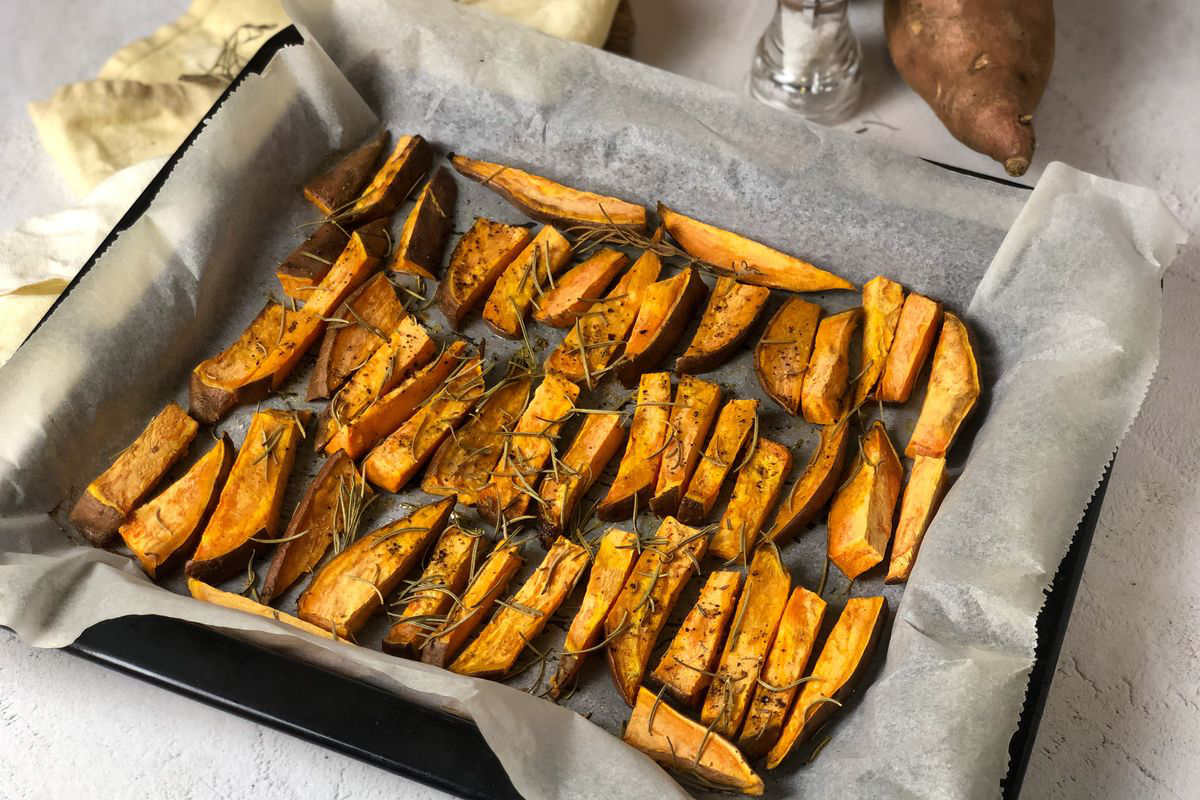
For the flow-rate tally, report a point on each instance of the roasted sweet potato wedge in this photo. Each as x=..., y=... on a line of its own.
x=732, y=310
x=755, y=622
x=610, y=568
x=579, y=288
x=882, y=300
x=687, y=665
x=920, y=319
x=392, y=183
x=952, y=393
x=528, y=277
x=692, y=414
x=860, y=519
x=640, y=611
x=781, y=357
x=422, y=240
x=665, y=312
x=339, y=185
x=210, y=594
x=926, y=484
x=478, y=261
x=825, y=395
x=319, y=518
x=373, y=309
x=484, y=588
x=550, y=202
x=736, y=423
x=248, y=509
x=305, y=266
x=755, y=492
x=637, y=473
x=598, y=440
x=746, y=259
x=680, y=744
x=815, y=485
x=109, y=499
x=843, y=658
x=162, y=532
x=353, y=585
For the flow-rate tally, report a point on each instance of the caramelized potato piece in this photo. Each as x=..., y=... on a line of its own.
x=392, y=183
x=638, y=470
x=843, y=658
x=860, y=519
x=882, y=300
x=693, y=413
x=373, y=309
x=686, y=666
x=665, y=313
x=531, y=272
x=676, y=742
x=815, y=486
x=734, y=425
x=926, y=485
x=750, y=638
x=610, y=568
x=341, y=184
x=732, y=310
x=641, y=610
x=162, y=532
x=825, y=396
x=579, y=288
x=779, y=683
x=108, y=499
x=210, y=594
x=478, y=260
x=952, y=393
x=485, y=587
x=353, y=585
x=781, y=357
x=755, y=493
x=598, y=439
x=422, y=240
x=248, y=508
x=746, y=259
x=550, y=202
x=915, y=332
x=305, y=266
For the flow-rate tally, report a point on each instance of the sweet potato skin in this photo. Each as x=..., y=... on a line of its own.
x=953, y=391
x=662, y=319
x=781, y=357
x=816, y=484
x=579, y=288
x=305, y=266
x=371, y=310
x=392, y=183
x=915, y=334
x=732, y=310
x=342, y=182
x=860, y=519
x=422, y=240
x=686, y=666
x=696, y=405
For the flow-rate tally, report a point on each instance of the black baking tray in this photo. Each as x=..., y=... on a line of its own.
x=385, y=730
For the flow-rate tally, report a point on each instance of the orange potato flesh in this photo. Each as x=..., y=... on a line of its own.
x=579, y=288
x=368, y=313
x=785, y=665
x=598, y=439
x=747, y=260
x=163, y=531
x=843, y=657
x=210, y=594
x=732, y=310
x=641, y=610
x=110, y=498
x=478, y=260
x=550, y=202
x=826, y=391
x=524, y=280
x=305, y=266
x=750, y=638
x=915, y=333
x=755, y=493
x=638, y=470
x=686, y=666
x=695, y=409
x=422, y=240
x=352, y=586
x=219, y=383
x=860, y=519
x=485, y=586
x=952, y=393
x=392, y=183
x=665, y=313
x=781, y=357
x=734, y=425
x=816, y=484
x=678, y=743
x=882, y=300
x=926, y=485
x=610, y=568
x=341, y=183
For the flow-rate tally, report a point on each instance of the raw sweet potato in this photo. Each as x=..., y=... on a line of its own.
x=692, y=414
x=825, y=394
x=665, y=313
x=528, y=277
x=598, y=439
x=952, y=393
x=687, y=665
x=781, y=357
x=637, y=473
x=581, y=286
x=550, y=202
x=860, y=519
x=485, y=587
x=745, y=259
x=110, y=498
x=882, y=300
x=341, y=184
x=815, y=485
x=755, y=493
x=926, y=485
x=422, y=240
x=737, y=420
x=478, y=260
x=392, y=183
x=305, y=266
x=915, y=333
x=365, y=316
x=210, y=594
x=732, y=310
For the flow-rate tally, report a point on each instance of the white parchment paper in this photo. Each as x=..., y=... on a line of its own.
x=1065, y=321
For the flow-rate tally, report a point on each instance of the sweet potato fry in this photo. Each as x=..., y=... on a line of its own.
x=640, y=611
x=422, y=240
x=825, y=394
x=816, y=484
x=755, y=492
x=677, y=743
x=750, y=638
x=581, y=286
x=486, y=585
x=926, y=484
x=781, y=357
x=248, y=508
x=550, y=202
x=843, y=658
x=305, y=266
x=478, y=260
x=219, y=383
x=860, y=519
x=746, y=259
x=210, y=594
x=598, y=439
x=882, y=300
x=110, y=498
x=530, y=273
x=610, y=568
x=665, y=312
x=637, y=473
x=736, y=423
x=692, y=414
x=392, y=183
x=162, y=532
x=367, y=314
x=952, y=393
x=915, y=333
x=354, y=584
x=686, y=666
x=340, y=184
x=732, y=310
